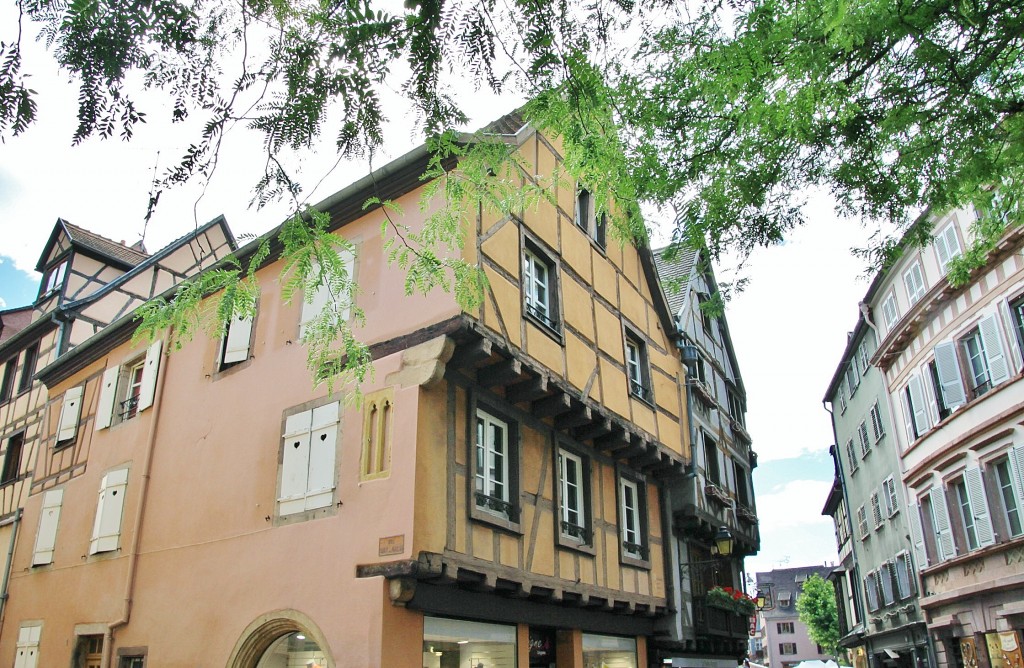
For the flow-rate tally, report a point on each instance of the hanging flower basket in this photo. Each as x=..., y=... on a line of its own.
x=730, y=599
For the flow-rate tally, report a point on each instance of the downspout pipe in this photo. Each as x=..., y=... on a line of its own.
x=106, y=660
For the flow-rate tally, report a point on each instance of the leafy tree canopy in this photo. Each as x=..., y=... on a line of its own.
x=816, y=605
x=721, y=113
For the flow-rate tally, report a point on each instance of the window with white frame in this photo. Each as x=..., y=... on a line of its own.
x=984, y=357
x=892, y=502
x=865, y=357
x=637, y=370
x=539, y=288
x=966, y=515
x=852, y=376
x=106, y=529
x=865, y=442
x=308, y=455
x=1009, y=475
x=877, y=428
x=787, y=648
x=947, y=246
x=913, y=278
x=128, y=389
x=938, y=404
x=841, y=393
x=784, y=627
x=973, y=349
x=915, y=411
x=1017, y=317
x=55, y=276
x=632, y=502
x=890, y=312
x=573, y=497
x=494, y=466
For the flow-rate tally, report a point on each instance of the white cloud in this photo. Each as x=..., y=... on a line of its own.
x=793, y=530
x=3, y=303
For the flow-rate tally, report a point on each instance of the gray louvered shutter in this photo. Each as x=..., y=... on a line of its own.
x=951, y=381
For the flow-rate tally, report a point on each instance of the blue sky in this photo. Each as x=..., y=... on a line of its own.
x=17, y=287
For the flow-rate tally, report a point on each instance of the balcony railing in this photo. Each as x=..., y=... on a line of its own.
x=715, y=621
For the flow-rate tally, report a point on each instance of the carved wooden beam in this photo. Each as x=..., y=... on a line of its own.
x=501, y=373
x=596, y=429
x=472, y=354
x=580, y=416
x=554, y=405
x=528, y=390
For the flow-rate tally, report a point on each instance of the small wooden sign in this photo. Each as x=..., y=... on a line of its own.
x=391, y=545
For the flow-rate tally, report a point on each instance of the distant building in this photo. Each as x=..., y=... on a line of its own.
x=786, y=642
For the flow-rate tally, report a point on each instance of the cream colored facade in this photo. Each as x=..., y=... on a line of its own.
x=495, y=496
x=953, y=366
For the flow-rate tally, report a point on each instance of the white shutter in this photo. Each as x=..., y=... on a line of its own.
x=948, y=368
x=46, y=536
x=108, y=393
x=908, y=417
x=921, y=418
x=979, y=506
x=947, y=246
x=1016, y=459
x=943, y=531
x=28, y=647
x=322, y=446
x=917, y=534
x=149, y=373
x=106, y=531
x=998, y=369
x=236, y=341
x=70, y=411
x=295, y=463
x=322, y=298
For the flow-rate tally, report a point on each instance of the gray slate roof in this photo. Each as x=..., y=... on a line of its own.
x=674, y=274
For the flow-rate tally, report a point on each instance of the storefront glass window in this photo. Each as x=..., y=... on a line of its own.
x=293, y=649
x=454, y=643
x=608, y=652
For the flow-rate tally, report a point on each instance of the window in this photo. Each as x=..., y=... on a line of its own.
x=106, y=530
x=784, y=627
x=941, y=412
x=947, y=370
x=862, y=522
x=865, y=357
x=573, y=497
x=852, y=376
x=885, y=577
x=463, y=643
x=70, y=410
x=1017, y=316
x=28, y=368
x=309, y=445
x=1009, y=479
x=637, y=371
x=915, y=413
x=904, y=576
x=711, y=469
x=876, y=510
x=128, y=389
x=375, y=460
x=599, y=650
x=862, y=434
x=841, y=393
x=851, y=454
x=889, y=310
x=877, y=428
x=947, y=246
x=7, y=386
x=938, y=513
x=871, y=589
x=892, y=502
x=704, y=306
x=495, y=467
x=984, y=358
x=632, y=515
x=12, y=459
x=914, y=280
x=132, y=662
x=736, y=409
x=46, y=535
x=787, y=648
x=588, y=219
x=235, y=345
x=55, y=277
x=974, y=514
x=740, y=475
x=539, y=288
x=336, y=300
x=28, y=647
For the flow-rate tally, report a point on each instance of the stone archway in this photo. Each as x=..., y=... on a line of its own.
x=270, y=627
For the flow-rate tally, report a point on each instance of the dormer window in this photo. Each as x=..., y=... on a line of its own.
x=55, y=277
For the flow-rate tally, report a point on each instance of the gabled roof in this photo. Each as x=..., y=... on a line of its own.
x=124, y=256
x=675, y=275
x=13, y=320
